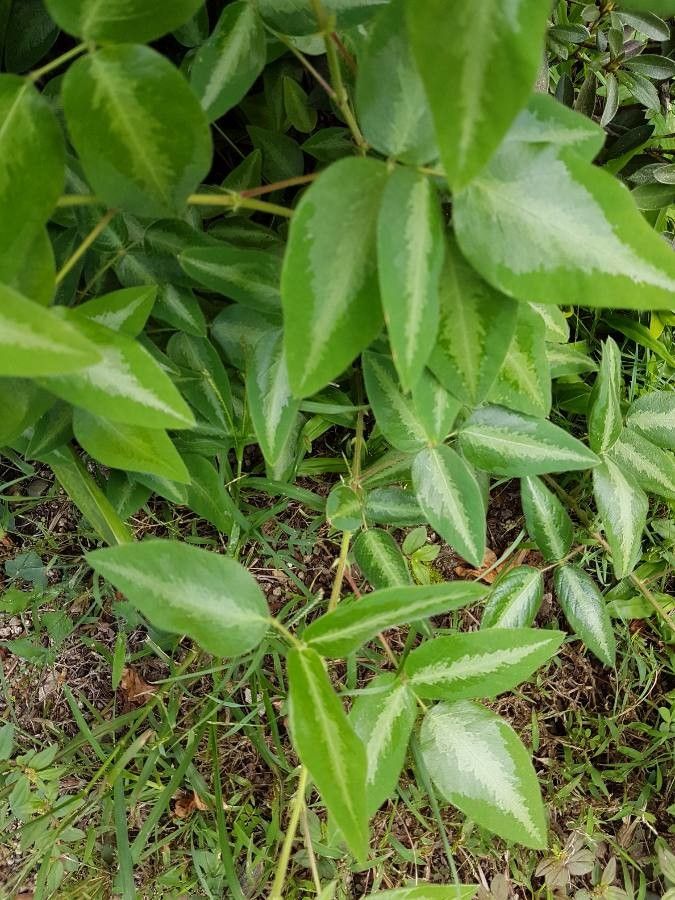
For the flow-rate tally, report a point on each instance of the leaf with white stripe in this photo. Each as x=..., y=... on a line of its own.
x=478, y=764
x=37, y=341
x=378, y=556
x=569, y=359
x=179, y=307
x=480, y=663
x=475, y=329
x=126, y=382
x=206, y=383
x=392, y=506
x=328, y=746
x=230, y=60
x=650, y=466
x=504, y=442
x=344, y=630
x=478, y=65
x=126, y=310
x=555, y=322
x=653, y=415
x=207, y=495
x=344, y=508
x=271, y=405
x=383, y=717
x=435, y=408
x=129, y=447
x=429, y=892
x=604, y=413
x=597, y=246
x=546, y=519
x=246, y=275
x=394, y=413
x=622, y=505
x=586, y=611
x=524, y=379
x=390, y=101
x=546, y=120
x=329, y=284
x=121, y=20
x=515, y=599
x=410, y=248
x=450, y=496
x=187, y=590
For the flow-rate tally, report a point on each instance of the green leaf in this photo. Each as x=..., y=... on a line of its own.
x=478, y=764
x=328, y=746
x=429, y=892
x=30, y=267
x=645, y=20
x=555, y=322
x=383, y=717
x=293, y=17
x=524, y=379
x=596, y=246
x=586, y=611
x=126, y=310
x=35, y=341
x=480, y=663
x=32, y=168
x=392, y=506
x=138, y=129
x=622, y=506
x=344, y=508
x=180, y=308
x=6, y=741
x=121, y=20
x=249, y=276
x=650, y=466
x=490, y=57
x=435, y=408
x=207, y=385
x=569, y=359
x=187, y=590
x=22, y=403
x=381, y=562
x=87, y=496
x=545, y=120
x=339, y=633
x=475, y=330
x=227, y=64
x=546, y=519
x=394, y=413
x=301, y=114
x=281, y=155
x=515, y=599
x=449, y=494
x=130, y=447
x=207, y=495
x=51, y=431
x=329, y=278
x=510, y=443
x=410, y=248
x=653, y=415
x=30, y=34
x=126, y=494
x=390, y=101
x=273, y=410
x=127, y=382
x=604, y=415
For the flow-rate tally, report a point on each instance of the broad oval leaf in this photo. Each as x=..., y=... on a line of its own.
x=450, y=496
x=383, y=717
x=230, y=60
x=478, y=65
x=586, y=611
x=622, y=505
x=515, y=599
x=546, y=519
x=27, y=264
x=328, y=746
x=329, y=279
x=378, y=556
x=138, y=129
x=604, y=415
x=390, y=100
x=394, y=413
x=524, y=379
x=597, y=248
x=32, y=170
x=35, y=341
x=249, y=276
x=126, y=310
x=476, y=326
x=653, y=415
x=650, y=466
x=187, y=590
x=271, y=405
x=121, y=20
x=344, y=508
x=130, y=447
x=509, y=443
x=392, y=506
x=344, y=630
x=547, y=121
x=410, y=248
x=126, y=382
x=480, y=663
x=478, y=764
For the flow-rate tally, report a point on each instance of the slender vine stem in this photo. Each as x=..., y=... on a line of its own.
x=238, y=201
x=340, y=571
x=279, y=185
x=98, y=229
x=296, y=810
x=36, y=74
x=78, y=200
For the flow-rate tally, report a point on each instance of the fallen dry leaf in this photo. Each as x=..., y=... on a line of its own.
x=489, y=560
x=186, y=804
x=135, y=688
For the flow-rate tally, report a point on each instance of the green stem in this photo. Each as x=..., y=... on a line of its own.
x=296, y=810
x=291, y=638
x=237, y=201
x=98, y=229
x=280, y=185
x=340, y=571
x=55, y=63
x=78, y=200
